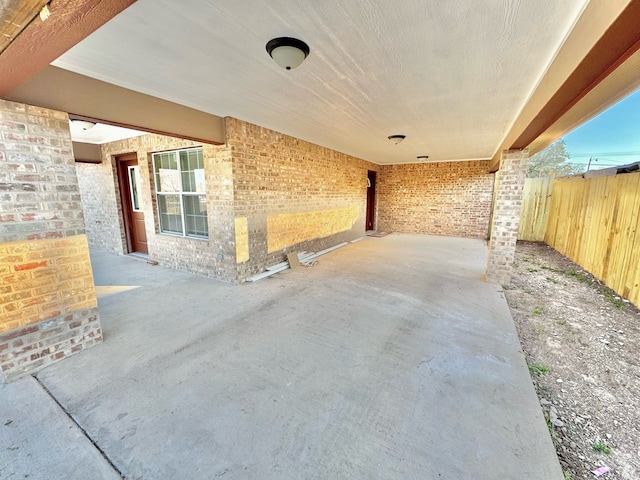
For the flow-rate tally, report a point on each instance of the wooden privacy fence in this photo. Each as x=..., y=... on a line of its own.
x=595, y=223
x=536, y=202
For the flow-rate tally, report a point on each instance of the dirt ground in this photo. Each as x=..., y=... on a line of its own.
x=582, y=345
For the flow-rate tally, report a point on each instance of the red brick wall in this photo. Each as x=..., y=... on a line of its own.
x=443, y=198
x=48, y=306
x=279, y=180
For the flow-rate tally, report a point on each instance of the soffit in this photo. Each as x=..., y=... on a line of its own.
x=452, y=75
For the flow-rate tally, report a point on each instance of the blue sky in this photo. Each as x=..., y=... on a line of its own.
x=613, y=137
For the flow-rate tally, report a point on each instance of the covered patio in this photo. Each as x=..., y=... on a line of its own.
x=391, y=358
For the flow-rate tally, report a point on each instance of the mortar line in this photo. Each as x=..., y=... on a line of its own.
x=84, y=432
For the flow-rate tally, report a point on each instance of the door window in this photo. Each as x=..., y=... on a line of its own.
x=134, y=182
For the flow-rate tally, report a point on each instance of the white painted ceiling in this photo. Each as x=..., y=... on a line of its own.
x=451, y=75
x=101, y=133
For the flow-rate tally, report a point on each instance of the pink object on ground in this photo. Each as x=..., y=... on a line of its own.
x=598, y=472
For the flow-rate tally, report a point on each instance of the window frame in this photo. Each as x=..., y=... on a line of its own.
x=180, y=194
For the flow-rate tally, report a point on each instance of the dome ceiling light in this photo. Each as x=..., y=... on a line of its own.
x=83, y=124
x=287, y=52
x=397, y=138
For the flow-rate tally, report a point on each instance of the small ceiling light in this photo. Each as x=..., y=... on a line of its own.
x=288, y=52
x=396, y=138
x=422, y=157
x=83, y=124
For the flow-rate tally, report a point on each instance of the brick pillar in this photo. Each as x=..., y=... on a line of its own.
x=48, y=307
x=506, y=215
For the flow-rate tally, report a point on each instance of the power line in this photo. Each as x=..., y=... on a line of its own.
x=605, y=154
x=593, y=164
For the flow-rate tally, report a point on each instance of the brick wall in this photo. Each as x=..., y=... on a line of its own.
x=103, y=210
x=506, y=215
x=293, y=195
x=269, y=193
x=97, y=187
x=452, y=198
x=48, y=307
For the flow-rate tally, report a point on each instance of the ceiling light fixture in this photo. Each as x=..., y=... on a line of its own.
x=83, y=124
x=287, y=52
x=396, y=138
x=422, y=157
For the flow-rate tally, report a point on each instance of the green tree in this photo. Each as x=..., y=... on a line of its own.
x=553, y=160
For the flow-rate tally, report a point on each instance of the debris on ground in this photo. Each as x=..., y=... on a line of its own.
x=304, y=258
x=600, y=471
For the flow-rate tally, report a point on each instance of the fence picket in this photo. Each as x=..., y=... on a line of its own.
x=595, y=222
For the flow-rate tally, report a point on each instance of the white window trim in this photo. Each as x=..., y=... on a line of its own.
x=180, y=194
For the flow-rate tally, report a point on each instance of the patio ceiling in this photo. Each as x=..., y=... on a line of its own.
x=454, y=77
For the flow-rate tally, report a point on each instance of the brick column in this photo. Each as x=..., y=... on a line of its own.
x=48, y=307
x=506, y=215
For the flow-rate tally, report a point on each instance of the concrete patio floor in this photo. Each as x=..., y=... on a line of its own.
x=390, y=359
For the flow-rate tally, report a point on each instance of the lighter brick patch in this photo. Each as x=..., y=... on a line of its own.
x=288, y=229
x=242, y=239
x=62, y=260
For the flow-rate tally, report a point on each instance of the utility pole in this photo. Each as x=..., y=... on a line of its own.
x=589, y=164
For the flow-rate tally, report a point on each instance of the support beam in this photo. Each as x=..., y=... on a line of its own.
x=15, y=16
x=85, y=97
x=49, y=308
x=507, y=204
x=41, y=42
x=604, y=37
x=86, y=152
x=617, y=44
x=622, y=82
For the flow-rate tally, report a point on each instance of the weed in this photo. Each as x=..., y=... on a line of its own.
x=600, y=446
x=563, y=322
x=552, y=280
x=567, y=475
x=506, y=287
x=551, y=269
x=616, y=301
x=549, y=424
x=532, y=270
x=529, y=291
x=581, y=277
x=537, y=311
x=539, y=329
x=538, y=369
